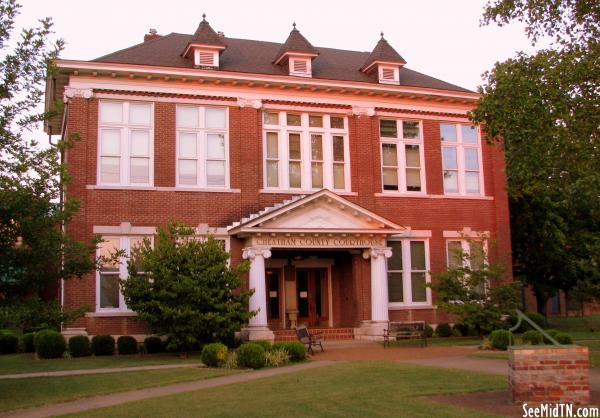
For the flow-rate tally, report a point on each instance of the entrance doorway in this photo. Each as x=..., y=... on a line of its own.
x=312, y=292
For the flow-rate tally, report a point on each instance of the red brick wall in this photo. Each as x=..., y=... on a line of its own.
x=151, y=207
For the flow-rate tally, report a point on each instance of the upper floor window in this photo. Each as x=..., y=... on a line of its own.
x=305, y=151
x=300, y=67
x=108, y=290
x=407, y=273
x=389, y=74
x=125, y=143
x=401, y=155
x=202, y=147
x=461, y=159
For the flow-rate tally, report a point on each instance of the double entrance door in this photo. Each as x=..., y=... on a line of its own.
x=313, y=296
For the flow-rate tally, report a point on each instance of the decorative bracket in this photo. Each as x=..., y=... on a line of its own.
x=71, y=92
x=255, y=103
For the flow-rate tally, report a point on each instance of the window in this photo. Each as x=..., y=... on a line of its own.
x=305, y=151
x=461, y=159
x=407, y=273
x=202, y=147
x=109, y=297
x=206, y=58
x=471, y=253
x=125, y=147
x=401, y=156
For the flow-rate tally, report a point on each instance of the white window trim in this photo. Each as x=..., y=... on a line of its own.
x=125, y=245
x=401, y=143
x=305, y=131
x=406, y=275
x=202, y=144
x=214, y=53
x=460, y=147
x=125, y=144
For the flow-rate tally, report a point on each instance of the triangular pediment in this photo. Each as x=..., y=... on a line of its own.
x=323, y=211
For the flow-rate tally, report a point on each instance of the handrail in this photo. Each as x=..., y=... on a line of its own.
x=521, y=316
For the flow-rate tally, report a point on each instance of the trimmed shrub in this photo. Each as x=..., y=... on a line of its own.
x=295, y=349
x=9, y=342
x=153, y=345
x=443, y=330
x=465, y=329
x=267, y=345
x=563, y=338
x=214, y=355
x=26, y=344
x=49, y=344
x=532, y=337
x=251, y=356
x=499, y=339
x=277, y=358
x=456, y=332
x=428, y=331
x=126, y=344
x=79, y=346
x=552, y=333
x=103, y=345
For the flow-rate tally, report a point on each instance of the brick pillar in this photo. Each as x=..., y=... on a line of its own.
x=549, y=374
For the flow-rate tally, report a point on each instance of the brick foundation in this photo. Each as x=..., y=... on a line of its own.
x=549, y=374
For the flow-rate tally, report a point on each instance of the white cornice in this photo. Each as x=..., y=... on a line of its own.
x=131, y=69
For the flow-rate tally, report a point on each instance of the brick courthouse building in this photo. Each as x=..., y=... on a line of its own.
x=345, y=178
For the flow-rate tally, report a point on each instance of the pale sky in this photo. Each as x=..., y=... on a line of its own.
x=440, y=38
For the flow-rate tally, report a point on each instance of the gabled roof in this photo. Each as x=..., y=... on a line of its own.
x=295, y=43
x=206, y=35
x=383, y=51
x=250, y=56
x=273, y=218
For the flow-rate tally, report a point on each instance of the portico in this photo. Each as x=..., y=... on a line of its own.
x=306, y=257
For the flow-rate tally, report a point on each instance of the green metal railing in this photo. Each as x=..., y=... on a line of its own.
x=521, y=316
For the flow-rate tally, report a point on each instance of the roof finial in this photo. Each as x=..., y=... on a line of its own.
x=204, y=17
x=381, y=34
x=294, y=25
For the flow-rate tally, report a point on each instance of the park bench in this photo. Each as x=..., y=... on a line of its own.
x=405, y=330
x=310, y=340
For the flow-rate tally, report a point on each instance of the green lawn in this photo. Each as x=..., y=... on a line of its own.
x=23, y=393
x=348, y=389
x=27, y=363
x=588, y=325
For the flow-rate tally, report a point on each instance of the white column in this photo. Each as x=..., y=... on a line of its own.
x=379, y=282
x=258, y=329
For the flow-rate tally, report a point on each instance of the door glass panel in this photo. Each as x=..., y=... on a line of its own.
x=318, y=274
x=302, y=289
x=273, y=294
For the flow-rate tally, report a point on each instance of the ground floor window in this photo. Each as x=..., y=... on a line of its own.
x=407, y=273
x=108, y=291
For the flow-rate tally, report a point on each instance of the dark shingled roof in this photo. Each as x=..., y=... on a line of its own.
x=206, y=35
x=383, y=51
x=249, y=56
x=296, y=42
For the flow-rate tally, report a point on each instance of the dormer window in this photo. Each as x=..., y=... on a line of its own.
x=206, y=58
x=388, y=74
x=300, y=67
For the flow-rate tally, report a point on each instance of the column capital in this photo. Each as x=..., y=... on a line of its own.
x=74, y=92
x=252, y=252
x=247, y=102
x=363, y=111
x=375, y=252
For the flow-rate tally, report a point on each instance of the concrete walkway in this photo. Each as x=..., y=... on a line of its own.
x=80, y=372
x=137, y=395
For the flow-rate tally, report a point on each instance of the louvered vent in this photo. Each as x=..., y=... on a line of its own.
x=300, y=66
x=388, y=74
x=207, y=58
